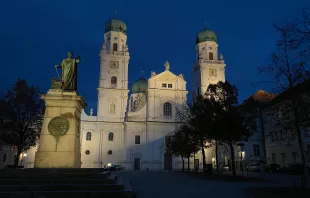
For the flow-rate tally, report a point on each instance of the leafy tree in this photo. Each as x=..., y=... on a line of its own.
x=182, y=144
x=231, y=125
x=202, y=123
x=288, y=68
x=21, y=120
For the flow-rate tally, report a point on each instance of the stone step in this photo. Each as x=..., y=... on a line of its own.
x=66, y=194
x=33, y=174
x=53, y=181
x=111, y=179
x=68, y=187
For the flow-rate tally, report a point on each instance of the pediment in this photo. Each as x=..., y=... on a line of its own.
x=166, y=76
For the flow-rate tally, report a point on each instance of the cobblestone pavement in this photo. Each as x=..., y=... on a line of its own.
x=164, y=184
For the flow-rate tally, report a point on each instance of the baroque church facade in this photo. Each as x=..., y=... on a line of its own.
x=131, y=127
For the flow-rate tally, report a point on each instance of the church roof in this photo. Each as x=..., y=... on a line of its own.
x=206, y=35
x=116, y=25
x=140, y=85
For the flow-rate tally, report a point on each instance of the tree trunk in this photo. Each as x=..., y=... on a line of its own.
x=182, y=163
x=16, y=160
x=261, y=119
x=216, y=156
x=204, y=163
x=232, y=154
x=188, y=162
x=303, y=157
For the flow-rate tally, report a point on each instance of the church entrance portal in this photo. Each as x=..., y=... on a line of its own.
x=137, y=164
x=167, y=161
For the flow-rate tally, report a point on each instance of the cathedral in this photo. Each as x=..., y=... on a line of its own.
x=132, y=125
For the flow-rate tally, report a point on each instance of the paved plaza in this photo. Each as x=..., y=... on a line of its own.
x=173, y=184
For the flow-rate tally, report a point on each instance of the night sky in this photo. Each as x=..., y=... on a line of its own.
x=37, y=34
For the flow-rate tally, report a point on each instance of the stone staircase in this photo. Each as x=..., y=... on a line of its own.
x=62, y=183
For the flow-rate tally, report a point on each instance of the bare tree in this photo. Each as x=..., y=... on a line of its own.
x=21, y=121
x=288, y=68
x=298, y=30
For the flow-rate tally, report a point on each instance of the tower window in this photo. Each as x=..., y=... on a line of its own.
x=113, y=80
x=111, y=136
x=88, y=136
x=164, y=85
x=169, y=85
x=137, y=139
x=114, y=47
x=210, y=56
x=167, y=109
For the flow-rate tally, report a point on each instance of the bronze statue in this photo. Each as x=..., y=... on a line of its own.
x=69, y=73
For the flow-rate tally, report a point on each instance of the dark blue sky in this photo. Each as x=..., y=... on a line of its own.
x=35, y=35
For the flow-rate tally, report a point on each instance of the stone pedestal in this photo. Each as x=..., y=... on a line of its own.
x=62, y=114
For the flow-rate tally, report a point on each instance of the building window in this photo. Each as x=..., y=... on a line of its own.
x=88, y=136
x=167, y=109
x=131, y=103
x=14, y=158
x=256, y=150
x=210, y=56
x=273, y=158
x=137, y=139
x=4, y=157
x=198, y=91
x=294, y=157
x=307, y=133
x=113, y=81
x=135, y=104
x=110, y=152
x=169, y=85
x=164, y=85
x=307, y=156
x=87, y=152
x=283, y=158
x=114, y=47
x=111, y=136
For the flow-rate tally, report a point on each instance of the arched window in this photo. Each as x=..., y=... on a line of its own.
x=167, y=109
x=114, y=47
x=4, y=157
x=88, y=136
x=131, y=103
x=210, y=56
x=113, y=80
x=111, y=135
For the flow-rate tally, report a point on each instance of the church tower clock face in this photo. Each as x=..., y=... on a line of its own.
x=114, y=64
x=213, y=72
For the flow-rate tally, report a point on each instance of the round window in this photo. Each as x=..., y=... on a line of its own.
x=110, y=152
x=87, y=152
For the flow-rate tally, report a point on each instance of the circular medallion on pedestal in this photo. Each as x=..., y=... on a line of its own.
x=58, y=126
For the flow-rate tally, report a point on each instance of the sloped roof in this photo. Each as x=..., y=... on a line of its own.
x=260, y=98
x=298, y=89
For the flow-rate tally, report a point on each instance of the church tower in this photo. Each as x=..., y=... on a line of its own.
x=209, y=67
x=113, y=83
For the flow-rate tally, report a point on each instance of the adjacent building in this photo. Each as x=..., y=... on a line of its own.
x=281, y=138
